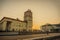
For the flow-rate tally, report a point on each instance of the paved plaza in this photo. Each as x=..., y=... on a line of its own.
x=28, y=37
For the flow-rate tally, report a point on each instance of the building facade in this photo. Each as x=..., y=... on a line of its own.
x=11, y=24
x=51, y=27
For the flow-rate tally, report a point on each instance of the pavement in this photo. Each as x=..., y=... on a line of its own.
x=28, y=37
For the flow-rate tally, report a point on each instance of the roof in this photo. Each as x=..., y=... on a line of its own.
x=11, y=19
x=57, y=25
x=28, y=11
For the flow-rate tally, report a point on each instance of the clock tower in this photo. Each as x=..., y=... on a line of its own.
x=28, y=20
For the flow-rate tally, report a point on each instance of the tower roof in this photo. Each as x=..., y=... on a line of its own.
x=28, y=10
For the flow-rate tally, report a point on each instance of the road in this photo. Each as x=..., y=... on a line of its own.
x=28, y=37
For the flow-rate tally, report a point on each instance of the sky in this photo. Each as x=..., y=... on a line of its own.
x=44, y=11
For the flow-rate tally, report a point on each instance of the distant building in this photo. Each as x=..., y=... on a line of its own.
x=10, y=24
x=51, y=28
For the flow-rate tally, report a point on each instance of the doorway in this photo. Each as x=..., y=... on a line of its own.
x=8, y=25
